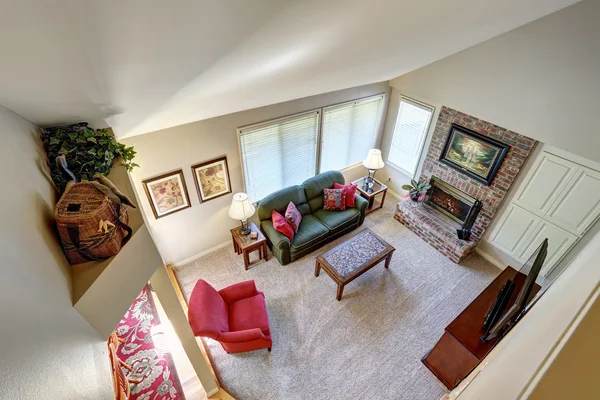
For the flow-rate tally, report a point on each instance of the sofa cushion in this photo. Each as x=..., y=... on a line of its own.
x=279, y=201
x=293, y=216
x=313, y=187
x=281, y=225
x=350, y=192
x=336, y=219
x=334, y=199
x=249, y=313
x=311, y=231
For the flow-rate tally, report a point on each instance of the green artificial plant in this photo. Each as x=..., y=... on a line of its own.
x=89, y=152
x=416, y=189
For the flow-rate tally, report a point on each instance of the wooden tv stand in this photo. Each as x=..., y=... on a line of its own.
x=460, y=348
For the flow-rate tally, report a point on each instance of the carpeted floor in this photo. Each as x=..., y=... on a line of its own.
x=367, y=346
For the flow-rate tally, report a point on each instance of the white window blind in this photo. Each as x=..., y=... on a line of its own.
x=349, y=131
x=279, y=153
x=409, y=136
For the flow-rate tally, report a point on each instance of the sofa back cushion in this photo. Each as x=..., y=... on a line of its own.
x=279, y=201
x=208, y=313
x=313, y=187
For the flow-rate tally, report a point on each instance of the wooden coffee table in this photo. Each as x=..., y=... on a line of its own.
x=354, y=257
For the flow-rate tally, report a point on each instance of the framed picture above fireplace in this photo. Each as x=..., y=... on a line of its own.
x=473, y=154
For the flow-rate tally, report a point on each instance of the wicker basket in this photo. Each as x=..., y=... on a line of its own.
x=92, y=222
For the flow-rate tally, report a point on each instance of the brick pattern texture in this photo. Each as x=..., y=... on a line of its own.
x=491, y=196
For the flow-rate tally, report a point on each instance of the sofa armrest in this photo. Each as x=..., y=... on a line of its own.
x=361, y=203
x=276, y=238
x=238, y=291
x=247, y=335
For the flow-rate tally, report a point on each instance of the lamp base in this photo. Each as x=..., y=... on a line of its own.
x=245, y=229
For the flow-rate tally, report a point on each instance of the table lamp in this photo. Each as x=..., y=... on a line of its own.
x=241, y=209
x=373, y=162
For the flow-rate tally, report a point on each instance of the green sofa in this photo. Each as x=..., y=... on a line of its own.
x=318, y=226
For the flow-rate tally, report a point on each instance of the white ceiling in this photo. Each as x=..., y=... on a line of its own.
x=144, y=65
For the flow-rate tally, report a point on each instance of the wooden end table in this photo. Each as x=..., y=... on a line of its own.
x=242, y=244
x=349, y=260
x=369, y=189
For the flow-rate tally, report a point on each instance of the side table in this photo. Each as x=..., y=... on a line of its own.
x=242, y=244
x=370, y=189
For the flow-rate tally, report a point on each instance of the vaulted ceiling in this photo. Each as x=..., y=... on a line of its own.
x=141, y=66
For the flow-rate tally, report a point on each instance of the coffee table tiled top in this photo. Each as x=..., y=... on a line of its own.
x=354, y=257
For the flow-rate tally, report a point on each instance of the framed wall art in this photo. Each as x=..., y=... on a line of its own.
x=473, y=154
x=212, y=178
x=167, y=193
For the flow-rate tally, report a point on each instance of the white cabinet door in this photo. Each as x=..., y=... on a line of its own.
x=514, y=228
x=559, y=243
x=545, y=183
x=579, y=205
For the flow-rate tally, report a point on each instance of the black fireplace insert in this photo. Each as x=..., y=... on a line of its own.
x=450, y=201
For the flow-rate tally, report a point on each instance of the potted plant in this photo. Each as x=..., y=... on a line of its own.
x=417, y=190
x=88, y=152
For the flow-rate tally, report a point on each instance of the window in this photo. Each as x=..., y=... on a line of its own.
x=409, y=136
x=349, y=131
x=279, y=153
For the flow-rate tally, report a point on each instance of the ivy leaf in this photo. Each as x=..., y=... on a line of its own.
x=92, y=152
x=73, y=135
x=54, y=141
x=91, y=139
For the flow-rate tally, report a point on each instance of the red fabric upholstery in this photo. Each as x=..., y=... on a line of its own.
x=281, y=225
x=245, y=312
x=350, y=192
x=209, y=324
x=249, y=313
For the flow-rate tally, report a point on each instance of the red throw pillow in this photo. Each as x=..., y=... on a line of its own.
x=350, y=192
x=281, y=225
x=293, y=216
x=334, y=199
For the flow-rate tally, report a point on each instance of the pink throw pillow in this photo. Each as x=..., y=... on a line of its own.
x=293, y=216
x=281, y=225
x=334, y=199
x=350, y=192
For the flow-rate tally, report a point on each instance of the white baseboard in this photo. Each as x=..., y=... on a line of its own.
x=202, y=254
x=394, y=194
x=491, y=259
x=214, y=391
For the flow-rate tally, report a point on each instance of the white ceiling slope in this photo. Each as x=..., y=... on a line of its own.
x=144, y=65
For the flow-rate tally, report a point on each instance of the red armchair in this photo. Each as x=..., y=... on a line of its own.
x=235, y=316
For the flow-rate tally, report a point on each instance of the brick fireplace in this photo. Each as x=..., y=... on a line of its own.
x=434, y=227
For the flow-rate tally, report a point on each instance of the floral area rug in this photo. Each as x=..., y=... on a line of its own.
x=145, y=352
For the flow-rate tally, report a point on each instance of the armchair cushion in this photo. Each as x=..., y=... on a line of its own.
x=248, y=335
x=210, y=324
x=238, y=291
x=249, y=313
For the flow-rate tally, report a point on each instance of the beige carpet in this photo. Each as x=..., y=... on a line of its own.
x=369, y=345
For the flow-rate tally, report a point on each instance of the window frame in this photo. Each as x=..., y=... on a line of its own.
x=320, y=112
x=420, y=104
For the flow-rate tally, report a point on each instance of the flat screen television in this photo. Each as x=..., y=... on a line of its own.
x=514, y=313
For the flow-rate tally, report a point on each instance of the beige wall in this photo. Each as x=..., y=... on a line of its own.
x=47, y=350
x=573, y=373
x=203, y=226
x=541, y=80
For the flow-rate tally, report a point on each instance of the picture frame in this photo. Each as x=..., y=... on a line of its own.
x=212, y=178
x=473, y=154
x=167, y=193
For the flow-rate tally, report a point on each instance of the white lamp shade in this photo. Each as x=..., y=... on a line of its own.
x=374, y=160
x=241, y=208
